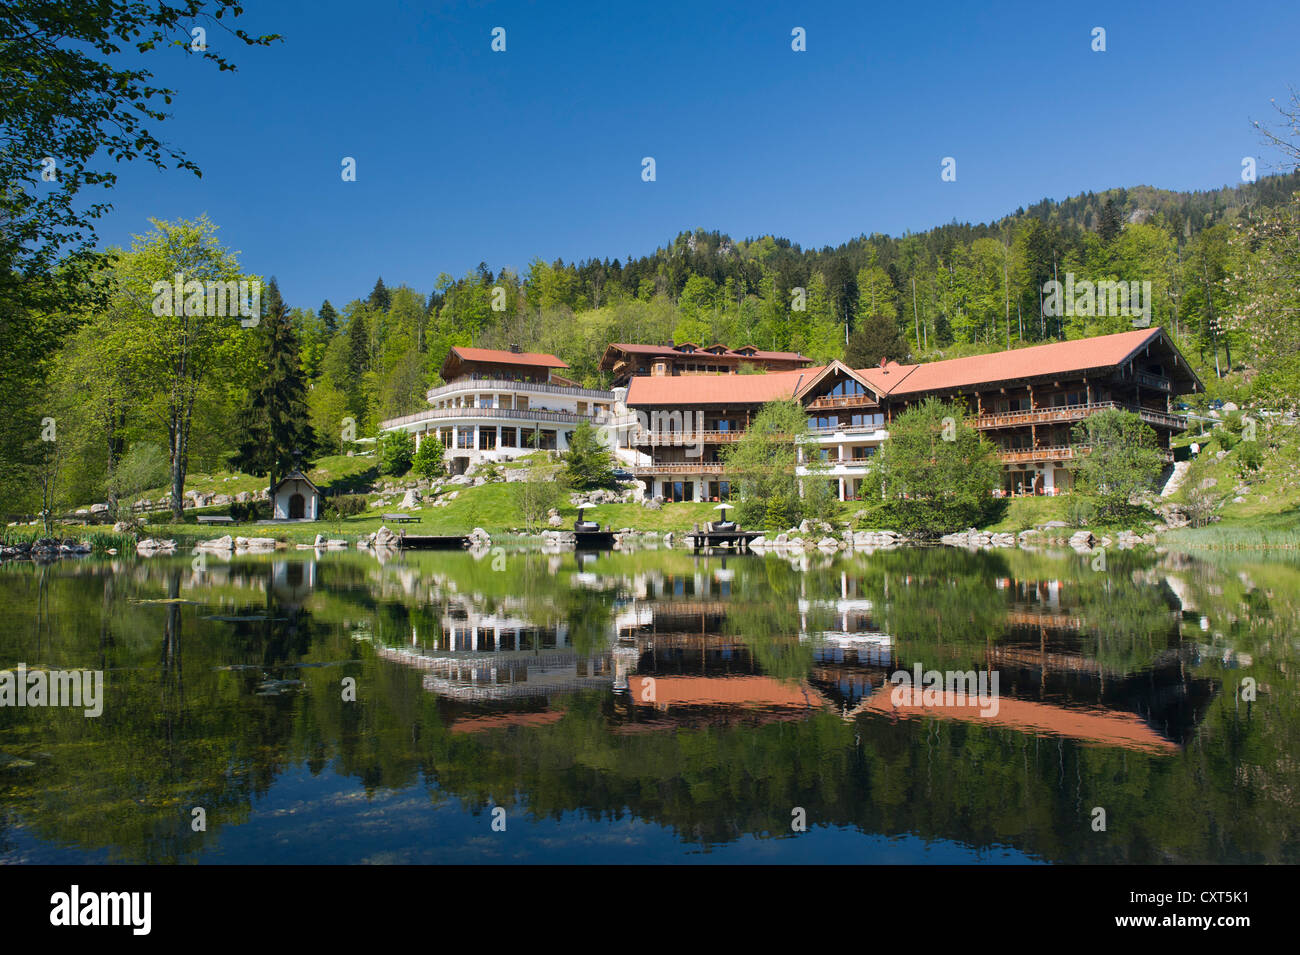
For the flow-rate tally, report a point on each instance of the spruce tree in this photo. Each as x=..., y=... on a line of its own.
x=358, y=361
x=275, y=428
x=329, y=318
x=379, y=297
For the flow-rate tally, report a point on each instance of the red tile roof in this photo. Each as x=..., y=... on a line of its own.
x=507, y=357
x=1056, y=358
x=667, y=390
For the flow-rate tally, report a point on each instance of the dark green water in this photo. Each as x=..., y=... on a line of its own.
x=514, y=688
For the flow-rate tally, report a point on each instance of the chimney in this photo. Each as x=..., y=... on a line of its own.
x=883, y=363
x=516, y=349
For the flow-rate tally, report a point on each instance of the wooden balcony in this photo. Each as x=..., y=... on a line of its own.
x=1059, y=453
x=1062, y=414
x=1153, y=381
x=657, y=439
x=843, y=401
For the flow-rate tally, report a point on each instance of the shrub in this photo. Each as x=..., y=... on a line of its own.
x=344, y=505
x=1250, y=457
x=1080, y=511
x=251, y=511
x=396, y=450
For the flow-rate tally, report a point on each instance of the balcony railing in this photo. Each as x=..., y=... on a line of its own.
x=1061, y=413
x=701, y=468
x=842, y=401
x=1059, y=453
x=677, y=438
x=462, y=385
x=509, y=414
x=1153, y=381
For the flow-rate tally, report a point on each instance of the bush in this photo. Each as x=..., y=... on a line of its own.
x=1250, y=456
x=250, y=511
x=344, y=505
x=588, y=463
x=1080, y=511
x=396, y=451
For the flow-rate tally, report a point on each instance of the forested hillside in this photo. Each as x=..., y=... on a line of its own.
x=1222, y=267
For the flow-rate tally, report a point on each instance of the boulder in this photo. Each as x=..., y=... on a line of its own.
x=219, y=543
x=555, y=520
x=385, y=538
x=410, y=499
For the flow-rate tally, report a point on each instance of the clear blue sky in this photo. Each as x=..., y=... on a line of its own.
x=465, y=155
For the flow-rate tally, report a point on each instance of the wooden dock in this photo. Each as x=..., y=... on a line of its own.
x=426, y=542
x=593, y=540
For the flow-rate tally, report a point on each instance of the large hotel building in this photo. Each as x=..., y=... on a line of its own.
x=674, y=408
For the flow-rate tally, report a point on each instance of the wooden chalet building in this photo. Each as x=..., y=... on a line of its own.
x=626, y=362
x=1026, y=401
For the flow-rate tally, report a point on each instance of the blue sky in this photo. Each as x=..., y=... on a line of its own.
x=466, y=155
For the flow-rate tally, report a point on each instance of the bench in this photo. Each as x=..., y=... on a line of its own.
x=398, y=518
x=215, y=519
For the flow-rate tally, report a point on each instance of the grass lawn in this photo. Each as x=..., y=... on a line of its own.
x=1022, y=513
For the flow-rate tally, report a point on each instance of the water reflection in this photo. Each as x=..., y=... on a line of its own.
x=703, y=694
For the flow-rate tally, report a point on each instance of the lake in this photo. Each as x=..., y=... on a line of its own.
x=656, y=706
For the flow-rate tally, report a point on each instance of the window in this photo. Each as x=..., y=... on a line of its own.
x=719, y=490
x=485, y=401
x=848, y=386
x=548, y=440
x=509, y=437
x=487, y=439
x=465, y=439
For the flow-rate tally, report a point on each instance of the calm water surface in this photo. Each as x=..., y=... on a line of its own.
x=655, y=706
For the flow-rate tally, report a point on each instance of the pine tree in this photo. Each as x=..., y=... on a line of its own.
x=358, y=362
x=379, y=297
x=329, y=318
x=275, y=427
x=1109, y=223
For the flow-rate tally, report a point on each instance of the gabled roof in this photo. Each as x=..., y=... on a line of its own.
x=1037, y=361
x=504, y=357
x=836, y=365
x=295, y=475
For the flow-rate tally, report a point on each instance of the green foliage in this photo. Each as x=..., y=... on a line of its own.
x=340, y=506
x=246, y=512
x=396, y=452
x=275, y=428
x=1080, y=510
x=763, y=464
x=428, y=459
x=542, y=488
x=875, y=338
x=937, y=471
x=142, y=467
x=1250, y=457
x=69, y=93
x=1124, y=460
x=588, y=463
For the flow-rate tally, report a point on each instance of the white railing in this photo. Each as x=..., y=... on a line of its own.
x=462, y=385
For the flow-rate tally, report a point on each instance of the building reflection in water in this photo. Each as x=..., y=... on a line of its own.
x=672, y=660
